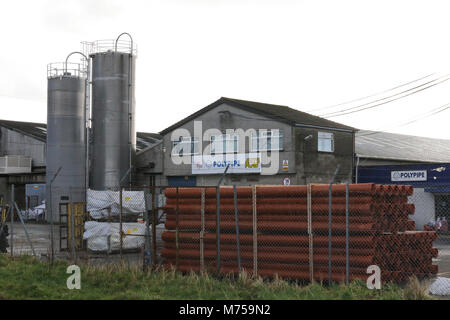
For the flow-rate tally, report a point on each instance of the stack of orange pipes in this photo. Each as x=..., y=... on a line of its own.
x=380, y=232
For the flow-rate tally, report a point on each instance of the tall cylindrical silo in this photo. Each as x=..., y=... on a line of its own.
x=66, y=137
x=113, y=119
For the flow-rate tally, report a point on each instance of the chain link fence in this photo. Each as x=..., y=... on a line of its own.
x=325, y=233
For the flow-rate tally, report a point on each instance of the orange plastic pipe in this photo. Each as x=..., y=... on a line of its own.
x=295, y=240
x=278, y=257
x=274, y=226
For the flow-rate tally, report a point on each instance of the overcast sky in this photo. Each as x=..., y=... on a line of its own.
x=304, y=54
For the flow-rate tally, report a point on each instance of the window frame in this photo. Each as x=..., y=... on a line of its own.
x=267, y=136
x=192, y=140
x=225, y=140
x=329, y=138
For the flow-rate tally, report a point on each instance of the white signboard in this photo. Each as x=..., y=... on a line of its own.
x=239, y=163
x=413, y=175
x=286, y=181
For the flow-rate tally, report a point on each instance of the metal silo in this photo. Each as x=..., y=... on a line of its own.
x=66, y=135
x=113, y=114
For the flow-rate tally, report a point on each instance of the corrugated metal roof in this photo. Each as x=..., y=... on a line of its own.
x=32, y=129
x=39, y=132
x=385, y=145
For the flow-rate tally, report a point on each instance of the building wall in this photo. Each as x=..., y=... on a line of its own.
x=314, y=166
x=423, y=198
x=19, y=181
x=15, y=143
x=238, y=119
x=306, y=164
x=149, y=164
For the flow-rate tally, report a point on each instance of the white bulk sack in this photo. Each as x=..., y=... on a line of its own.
x=98, y=233
x=100, y=202
x=37, y=211
x=440, y=287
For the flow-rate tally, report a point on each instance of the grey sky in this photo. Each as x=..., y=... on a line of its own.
x=305, y=54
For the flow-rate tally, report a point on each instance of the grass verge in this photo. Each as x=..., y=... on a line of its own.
x=27, y=278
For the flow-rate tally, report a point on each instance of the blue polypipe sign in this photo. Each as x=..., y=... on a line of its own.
x=417, y=175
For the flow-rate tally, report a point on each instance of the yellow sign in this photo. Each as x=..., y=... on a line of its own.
x=252, y=162
x=127, y=198
x=132, y=230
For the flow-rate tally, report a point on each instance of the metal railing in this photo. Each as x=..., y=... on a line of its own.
x=72, y=69
x=98, y=46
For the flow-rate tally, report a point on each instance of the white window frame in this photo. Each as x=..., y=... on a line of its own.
x=262, y=141
x=229, y=143
x=322, y=139
x=193, y=143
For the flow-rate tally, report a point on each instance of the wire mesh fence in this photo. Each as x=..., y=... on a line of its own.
x=327, y=233
x=317, y=232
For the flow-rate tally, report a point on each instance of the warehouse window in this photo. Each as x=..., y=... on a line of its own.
x=325, y=142
x=185, y=146
x=267, y=140
x=225, y=143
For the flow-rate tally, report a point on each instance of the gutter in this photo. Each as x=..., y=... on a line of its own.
x=400, y=159
x=325, y=128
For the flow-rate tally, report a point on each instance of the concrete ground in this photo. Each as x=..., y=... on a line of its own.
x=40, y=237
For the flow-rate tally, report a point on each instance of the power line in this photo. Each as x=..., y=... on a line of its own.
x=420, y=117
x=372, y=95
x=352, y=110
x=343, y=111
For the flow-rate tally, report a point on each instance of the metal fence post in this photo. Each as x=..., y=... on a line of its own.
x=11, y=232
x=329, y=230
x=49, y=208
x=154, y=222
x=202, y=232
x=120, y=223
x=218, y=228
x=310, y=235
x=236, y=218
x=255, y=233
x=146, y=260
x=49, y=205
x=25, y=229
x=72, y=229
x=346, y=237
x=330, y=217
x=177, y=245
x=218, y=218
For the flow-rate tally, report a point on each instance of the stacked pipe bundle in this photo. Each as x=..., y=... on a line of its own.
x=379, y=231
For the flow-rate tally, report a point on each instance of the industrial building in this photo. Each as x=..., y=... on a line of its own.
x=378, y=156
x=424, y=163
x=28, y=140
x=306, y=148
x=304, y=156
x=90, y=143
